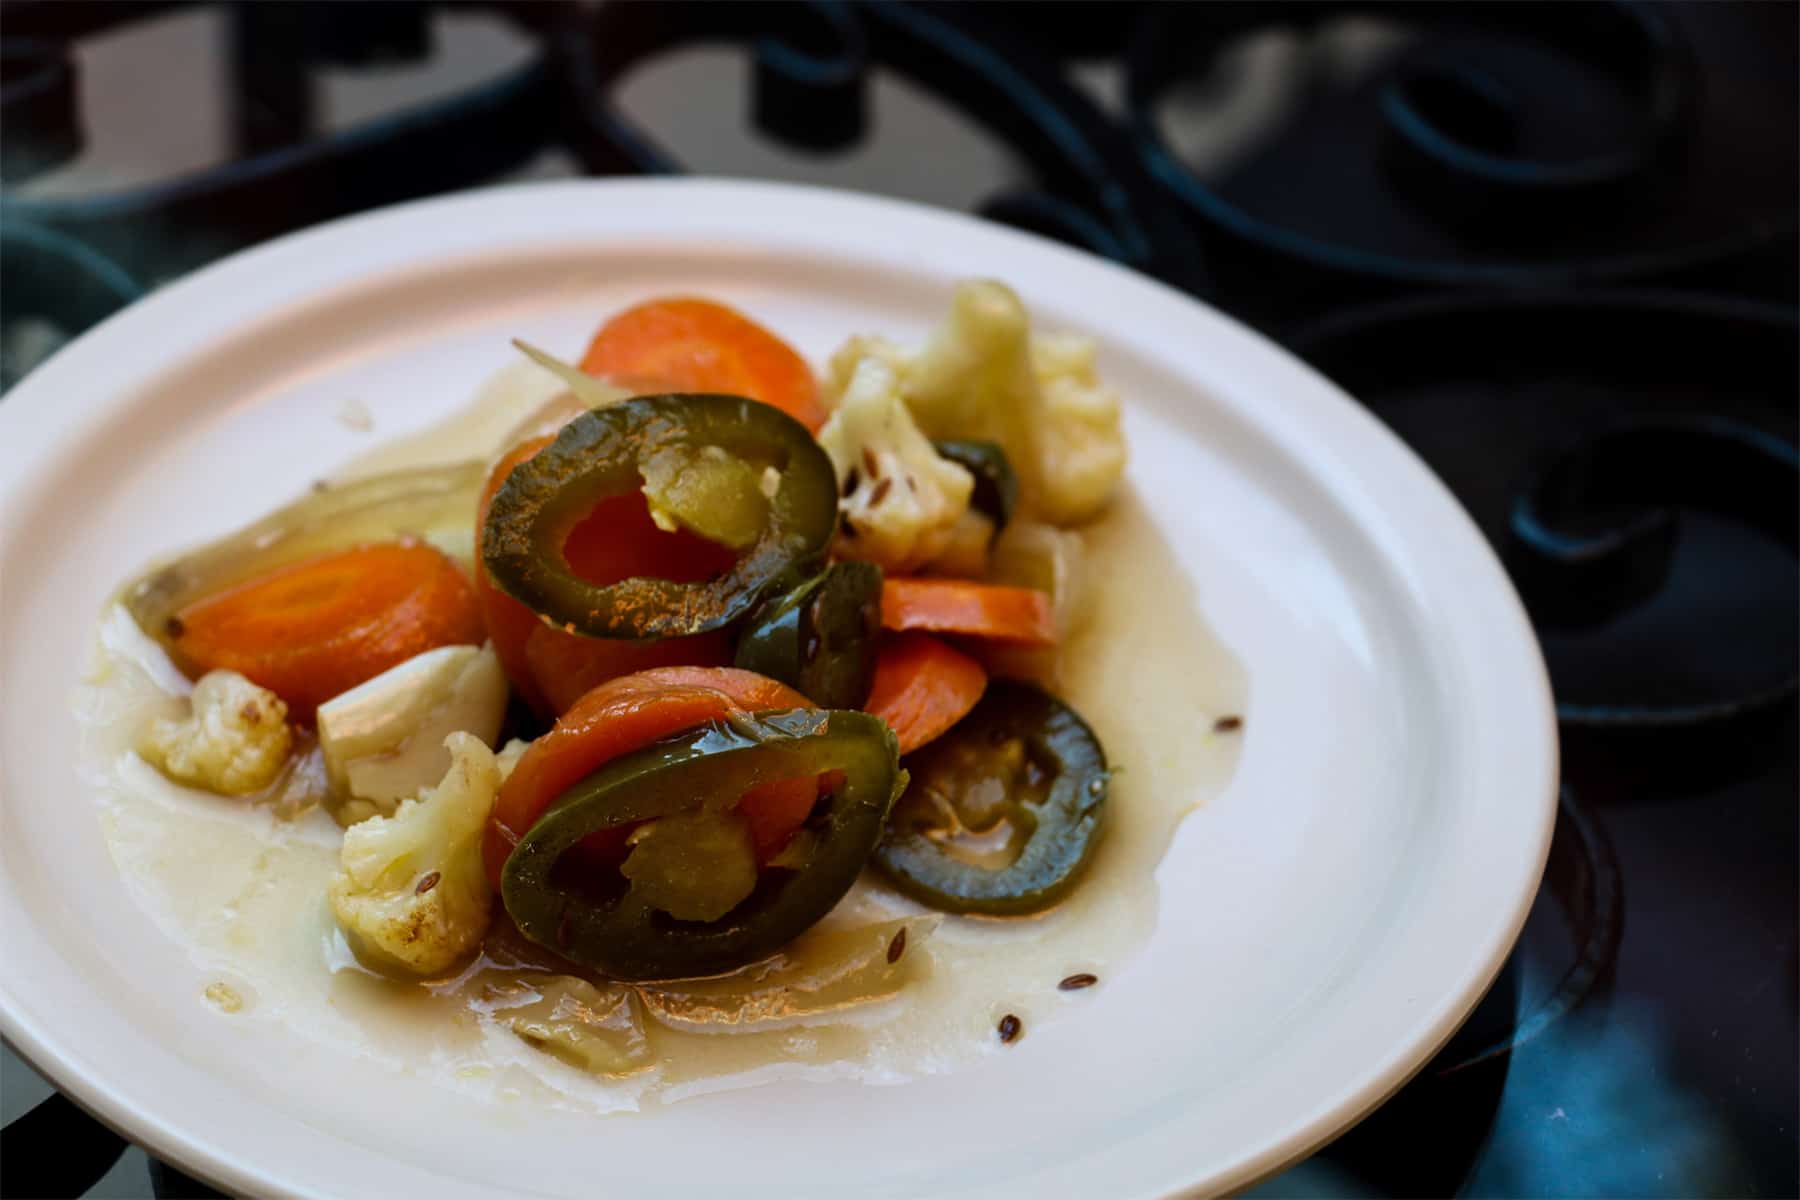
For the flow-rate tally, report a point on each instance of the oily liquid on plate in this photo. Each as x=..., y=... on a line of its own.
x=244, y=891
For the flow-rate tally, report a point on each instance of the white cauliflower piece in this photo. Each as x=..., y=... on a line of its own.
x=1080, y=445
x=383, y=739
x=985, y=376
x=509, y=756
x=234, y=741
x=902, y=500
x=969, y=549
x=410, y=894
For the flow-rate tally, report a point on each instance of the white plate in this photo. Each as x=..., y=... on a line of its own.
x=1325, y=925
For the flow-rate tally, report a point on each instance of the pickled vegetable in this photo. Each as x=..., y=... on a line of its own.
x=996, y=483
x=1003, y=812
x=315, y=629
x=821, y=637
x=602, y=454
x=616, y=926
x=383, y=740
x=435, y=504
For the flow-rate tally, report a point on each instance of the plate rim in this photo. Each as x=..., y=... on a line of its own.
x=23, y=414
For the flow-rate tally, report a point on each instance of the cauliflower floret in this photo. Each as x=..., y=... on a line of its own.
x=901, y=498
x=234, y=741
x=411, y=895
x=383, y=739
x=509, y=756
x=985, y=376
x=967, y=553
x=1081, y=447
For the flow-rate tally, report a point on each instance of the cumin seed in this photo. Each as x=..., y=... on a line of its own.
x=1228, y=724
x=1074, y=983
x=426, y=884
x=897, y=947
x=1010, y=1026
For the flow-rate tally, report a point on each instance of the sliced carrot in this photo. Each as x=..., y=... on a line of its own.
x=551, y=668
x=702, y=346
x=922, y=687
x=774, y=810
x=1009, y=614
x=509, y=623
x=617, y=540
x=317, y=628
x=565, y=666
x=616, y=718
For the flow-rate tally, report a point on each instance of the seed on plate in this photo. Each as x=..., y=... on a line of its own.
x=426, y=884
x=225, y=997
x=897, y=947
x=1228, y=724
x=1009, y=1028
x=1074, y=983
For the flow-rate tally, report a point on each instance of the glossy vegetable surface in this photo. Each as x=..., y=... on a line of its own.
x=984, y=610
x=614, y=719
x=552, y=668
x=435, y=504
x=599, y=458
x=628, y=932
x=820, y=637
x=703, y=346
x=1022, y=769
x=383, y=740
x=922, y=687
x=317, y=628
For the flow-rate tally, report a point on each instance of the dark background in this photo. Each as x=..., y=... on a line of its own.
x=1552, y=245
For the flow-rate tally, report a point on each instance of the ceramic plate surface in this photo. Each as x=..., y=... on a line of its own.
x=1324, y=925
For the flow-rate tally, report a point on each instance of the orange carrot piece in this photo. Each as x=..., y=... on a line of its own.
x=774, y=810
x=617, y=540
x=922, y=687
x=1008, y=614
x=702, y=346
x=509, y=623
x=317, y=628
x=616, y=718
x=566, y=666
